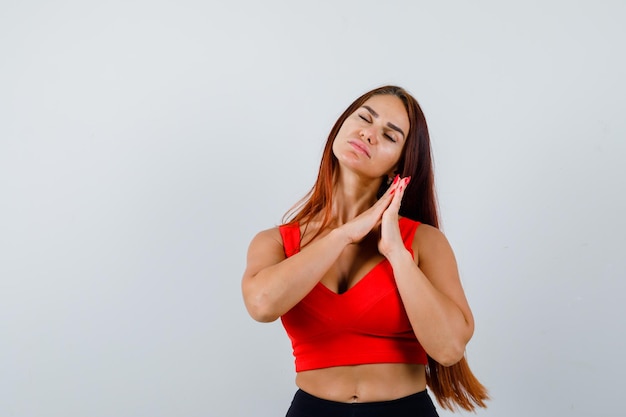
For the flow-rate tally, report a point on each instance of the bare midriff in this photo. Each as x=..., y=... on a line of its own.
x=363, y=383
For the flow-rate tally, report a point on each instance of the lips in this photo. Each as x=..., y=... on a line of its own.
x=360, y=147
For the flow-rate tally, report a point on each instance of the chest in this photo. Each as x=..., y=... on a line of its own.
x=372, y=306
x=354, y=264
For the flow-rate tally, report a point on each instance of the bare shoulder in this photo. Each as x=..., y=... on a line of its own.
x=432, y=248
x=267, y=239
x=426, y=230
x=429, y=237
x=267, y=235
x=265, y=249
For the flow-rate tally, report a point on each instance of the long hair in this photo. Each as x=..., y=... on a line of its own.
x=453, y=386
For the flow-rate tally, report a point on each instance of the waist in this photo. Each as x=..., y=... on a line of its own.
x=363, y=383
x=417, y=404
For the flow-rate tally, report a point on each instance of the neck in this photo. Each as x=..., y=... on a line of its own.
x=352, y=196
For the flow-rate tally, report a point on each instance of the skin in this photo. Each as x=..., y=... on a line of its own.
x=364, y=230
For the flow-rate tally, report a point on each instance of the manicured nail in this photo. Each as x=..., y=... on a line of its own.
x=396, y=179
x=403, y=183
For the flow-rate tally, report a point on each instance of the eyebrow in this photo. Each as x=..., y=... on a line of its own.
x=391, y=125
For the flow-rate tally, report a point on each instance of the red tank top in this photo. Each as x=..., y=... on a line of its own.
x=366, y=324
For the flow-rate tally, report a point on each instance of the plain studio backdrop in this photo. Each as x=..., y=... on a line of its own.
x=144, y=143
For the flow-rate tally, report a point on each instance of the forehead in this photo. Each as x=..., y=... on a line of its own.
x=390, y=109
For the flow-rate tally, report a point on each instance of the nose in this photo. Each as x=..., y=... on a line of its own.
x=368, y=135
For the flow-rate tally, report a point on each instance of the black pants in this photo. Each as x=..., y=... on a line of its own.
x=416, y=405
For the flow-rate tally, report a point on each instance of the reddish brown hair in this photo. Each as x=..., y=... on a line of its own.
x=454, y=386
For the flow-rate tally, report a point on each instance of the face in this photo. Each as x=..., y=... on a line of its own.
x=371, y=139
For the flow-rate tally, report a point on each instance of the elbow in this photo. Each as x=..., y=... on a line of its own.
x=449, y=360
x=454, y=350
x=450, y=355
x=260, y=310
x=262, y=316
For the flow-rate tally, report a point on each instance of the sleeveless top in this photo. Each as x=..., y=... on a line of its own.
x=364, y=325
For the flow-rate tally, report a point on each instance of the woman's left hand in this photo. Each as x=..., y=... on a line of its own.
x=390, y=238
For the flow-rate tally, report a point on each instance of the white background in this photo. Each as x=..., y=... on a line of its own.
x=144, y=143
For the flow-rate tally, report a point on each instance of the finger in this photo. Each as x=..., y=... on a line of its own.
x=394, y=185
x=387, y=197
x=389, y=193
x=398, y=194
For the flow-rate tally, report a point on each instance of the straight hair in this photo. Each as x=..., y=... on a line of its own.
x=454, y=386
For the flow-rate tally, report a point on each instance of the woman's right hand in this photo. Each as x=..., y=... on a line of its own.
x=272, y=284
x=359, y=227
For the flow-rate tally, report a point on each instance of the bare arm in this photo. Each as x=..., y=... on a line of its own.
x=272, y=284
x=429, y=286
x=433, y=296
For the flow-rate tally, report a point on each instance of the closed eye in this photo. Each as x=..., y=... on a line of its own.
x=391, y=138
x=365, y=118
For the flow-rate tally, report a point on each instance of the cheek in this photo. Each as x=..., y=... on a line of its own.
x=339, y=151
x=339, y=138
x=392, y=155
x=343, y=130
x=334, y=147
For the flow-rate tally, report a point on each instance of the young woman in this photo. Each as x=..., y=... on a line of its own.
x=365, y=284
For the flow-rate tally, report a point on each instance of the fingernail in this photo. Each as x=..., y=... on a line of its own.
x=395, y=180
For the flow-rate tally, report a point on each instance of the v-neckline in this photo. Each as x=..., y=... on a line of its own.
x=379, y=264
x=363, y=278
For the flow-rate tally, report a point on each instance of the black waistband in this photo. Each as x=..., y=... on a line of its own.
x=415, y=405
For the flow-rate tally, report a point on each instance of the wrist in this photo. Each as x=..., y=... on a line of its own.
x=399, y=256
x=340, y=234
